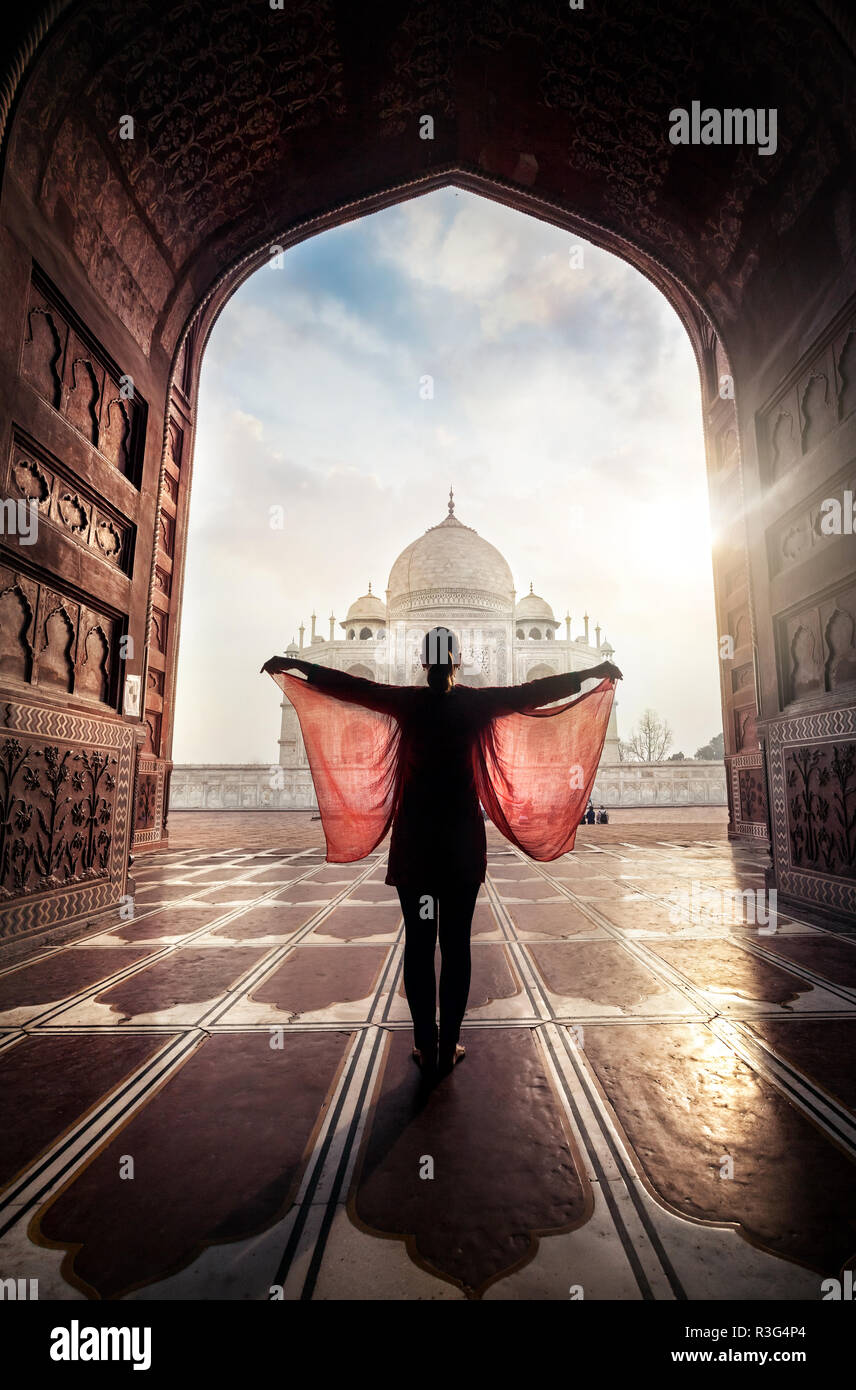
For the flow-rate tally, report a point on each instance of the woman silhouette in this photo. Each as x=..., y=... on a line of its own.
x=438, y=753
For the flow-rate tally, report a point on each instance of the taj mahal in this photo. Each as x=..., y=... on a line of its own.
x=450, y=576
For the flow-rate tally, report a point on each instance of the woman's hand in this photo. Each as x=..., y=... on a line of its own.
x=282, y=663
x=607, y=671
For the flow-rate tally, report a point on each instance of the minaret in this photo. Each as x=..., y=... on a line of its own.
x=312, y=637
x=597, y=635
x=586, y=621
x=301, y=630
x=568, y=626
x=332, y=626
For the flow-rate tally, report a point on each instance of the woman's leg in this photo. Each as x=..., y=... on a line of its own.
x=456, y=919
x=420, y=985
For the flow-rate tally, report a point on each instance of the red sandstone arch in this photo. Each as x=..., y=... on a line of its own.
x=255, y=128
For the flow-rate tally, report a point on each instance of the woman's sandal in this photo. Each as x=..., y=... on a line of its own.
x=419, y=1058
x=448, y=1060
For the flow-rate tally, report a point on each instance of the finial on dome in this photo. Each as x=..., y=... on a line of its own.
x=370, y=586
x=451, y=502
x=530, y=586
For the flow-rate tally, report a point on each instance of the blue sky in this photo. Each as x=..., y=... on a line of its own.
x=566, y=412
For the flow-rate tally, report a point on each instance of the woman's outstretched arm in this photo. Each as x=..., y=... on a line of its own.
x=534, y=694
x=386, y=699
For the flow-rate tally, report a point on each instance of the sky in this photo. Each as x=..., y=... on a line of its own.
x=566, y=412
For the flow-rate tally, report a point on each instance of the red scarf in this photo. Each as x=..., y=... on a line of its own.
x=534, y=771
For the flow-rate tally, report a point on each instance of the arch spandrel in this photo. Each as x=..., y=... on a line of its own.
x=326, y=99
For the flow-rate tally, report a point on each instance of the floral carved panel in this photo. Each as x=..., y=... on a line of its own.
x=821, y=801
x=65, y=797
x=812, y=769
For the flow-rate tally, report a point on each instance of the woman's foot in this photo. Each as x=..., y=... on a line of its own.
x=448, y=1057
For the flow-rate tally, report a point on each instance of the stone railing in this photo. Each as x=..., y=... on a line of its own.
x=255, y=787
x=687, y=783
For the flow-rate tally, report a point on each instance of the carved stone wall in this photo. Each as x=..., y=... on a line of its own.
x=806, y=563
x=65, y=793
x=813, y=788
x=61, y=360
x=73, y=468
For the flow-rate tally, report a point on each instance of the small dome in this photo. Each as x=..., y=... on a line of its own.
x=369, y=608
x=533, y=608
x=292, y=649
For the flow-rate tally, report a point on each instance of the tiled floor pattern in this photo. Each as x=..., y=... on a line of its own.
x=215, y=1098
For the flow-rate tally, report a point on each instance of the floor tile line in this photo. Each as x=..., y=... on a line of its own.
x=94, y=1128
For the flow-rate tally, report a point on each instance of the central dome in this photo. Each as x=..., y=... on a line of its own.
x=450, y=566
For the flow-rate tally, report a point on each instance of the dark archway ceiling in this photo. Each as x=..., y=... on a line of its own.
x=248, y=119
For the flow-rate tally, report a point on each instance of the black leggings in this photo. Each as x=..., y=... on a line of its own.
x=452, y=911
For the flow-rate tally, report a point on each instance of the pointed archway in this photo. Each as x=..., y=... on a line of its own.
x=149, y=166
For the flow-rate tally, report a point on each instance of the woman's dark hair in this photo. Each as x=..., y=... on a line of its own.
x=441, y=652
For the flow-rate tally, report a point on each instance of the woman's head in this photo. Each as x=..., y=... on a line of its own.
x=441, y=657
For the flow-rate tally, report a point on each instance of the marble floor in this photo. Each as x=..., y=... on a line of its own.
x=214, y=1098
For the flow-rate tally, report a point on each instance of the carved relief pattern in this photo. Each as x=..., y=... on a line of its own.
x=65, y=789
x=817, y=647
x=48, y=639
x=193, y=75
x=800, y=537
x=175, y=443
x=821, y=788
x=813, y=793
x=198, y=74
x=818, y=408
x=159, y=624
x=745, y=727
x=73, y=374
x=150, y=800
x=56, y=813
x=753, y=801
x=803, y=414
x=747, y=794
x=144, y=809
x=455, y=598
x=739, y=629
x=152, y=724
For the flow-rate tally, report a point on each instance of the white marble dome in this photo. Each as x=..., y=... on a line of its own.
x=368, y=608
x=451, y=565
x=534, y=608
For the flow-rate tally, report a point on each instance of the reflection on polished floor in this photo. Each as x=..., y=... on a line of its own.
x=215, y=1098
